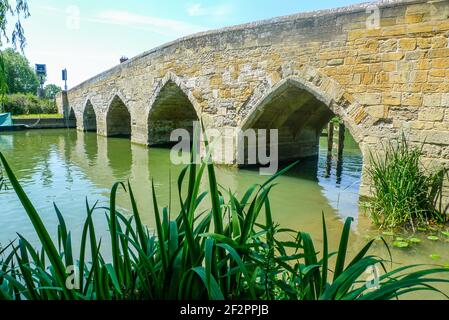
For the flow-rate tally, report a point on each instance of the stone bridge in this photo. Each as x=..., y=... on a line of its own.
x=383, y=68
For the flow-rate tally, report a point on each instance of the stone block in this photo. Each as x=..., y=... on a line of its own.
x=411, y=99
x=413, y=18
x=431, y=114
x=392, y=98
x=420, y=27
x=335, y=62
x=432, y=100
x=407, y=44
x=371, y=98
x=445, y=100
x=379, y=112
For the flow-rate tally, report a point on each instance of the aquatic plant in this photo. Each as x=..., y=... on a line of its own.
x=404, y=193
x=224, y=252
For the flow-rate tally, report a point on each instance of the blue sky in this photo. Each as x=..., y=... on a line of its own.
x=88, y=37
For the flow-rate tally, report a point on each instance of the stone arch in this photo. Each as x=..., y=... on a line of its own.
x=172, y=106
x=89, y=117
x=118, y=118
x=300, y=106
x=328, y=93
x=71, y=119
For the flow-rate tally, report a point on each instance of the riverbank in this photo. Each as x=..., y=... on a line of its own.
x=38, y=116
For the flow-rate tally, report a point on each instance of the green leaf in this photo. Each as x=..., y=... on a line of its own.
x=113, y=230
x=160, y=231
x=215, y=291
x=401, y=244
x=435, y=256
x=342, y=250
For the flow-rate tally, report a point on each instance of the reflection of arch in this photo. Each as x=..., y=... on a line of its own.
x=119, y=155
x=299, y=110
x=118, y=118
x=89, y=117
x=91, y=147
x=171, y=109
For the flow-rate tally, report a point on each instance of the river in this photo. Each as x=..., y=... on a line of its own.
x=66, y=166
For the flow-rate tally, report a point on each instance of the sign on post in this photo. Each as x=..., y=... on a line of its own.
x=64, y=78
x=41, y=72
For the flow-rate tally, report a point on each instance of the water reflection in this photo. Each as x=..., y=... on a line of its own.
x=119, y=153
x=91, y=147
x=62, y=156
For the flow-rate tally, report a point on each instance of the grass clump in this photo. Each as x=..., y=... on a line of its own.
x=405, y=194
x=39, y=116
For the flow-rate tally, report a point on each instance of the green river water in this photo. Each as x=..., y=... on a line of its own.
x=66, y=166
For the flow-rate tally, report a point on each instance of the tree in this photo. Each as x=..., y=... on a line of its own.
x=51, y=90
x=20, y=76
x=20, y=10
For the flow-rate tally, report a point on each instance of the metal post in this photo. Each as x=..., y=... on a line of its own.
x=341, y=146
x=341, y=139
x=330, y=147
x=330, y=138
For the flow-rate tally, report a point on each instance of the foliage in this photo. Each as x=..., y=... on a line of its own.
x=17, y=38
x=20, y=76
x=218, y=253
x=19, y=104
x=405, y=194
x=51, y=90
x=20, y=10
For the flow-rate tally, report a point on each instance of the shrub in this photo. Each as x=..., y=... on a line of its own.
x=219, y=253
x=20, y=103
x=405, y=194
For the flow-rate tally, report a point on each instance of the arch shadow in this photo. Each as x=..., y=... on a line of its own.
x=172, y=109
x=118, y=119
x=71, y=120
x=89, y=117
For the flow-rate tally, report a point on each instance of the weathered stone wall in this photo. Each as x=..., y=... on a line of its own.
x=380, y=81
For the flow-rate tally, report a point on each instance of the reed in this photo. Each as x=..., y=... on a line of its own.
x=405, y=194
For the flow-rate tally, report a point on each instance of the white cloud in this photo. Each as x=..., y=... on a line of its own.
x=168, y=27
x=198, y=10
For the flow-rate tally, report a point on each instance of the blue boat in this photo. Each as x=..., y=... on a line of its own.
x=6, y=123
